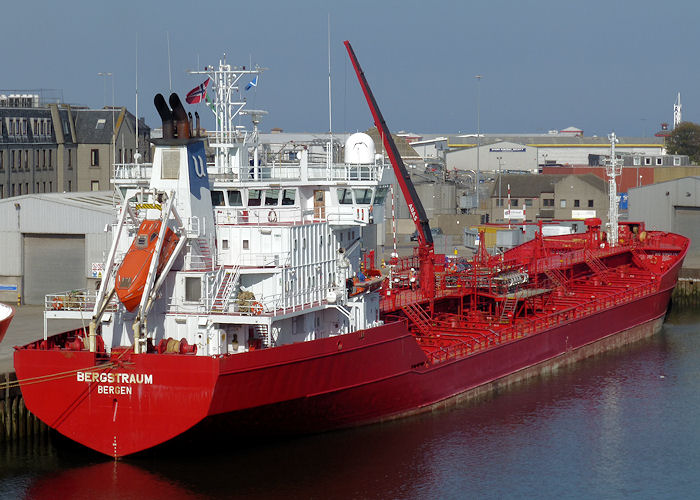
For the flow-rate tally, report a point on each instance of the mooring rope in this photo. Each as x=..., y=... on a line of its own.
x=59, y=375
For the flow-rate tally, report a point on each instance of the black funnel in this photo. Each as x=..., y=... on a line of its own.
x=180, y=115
x=166, y=115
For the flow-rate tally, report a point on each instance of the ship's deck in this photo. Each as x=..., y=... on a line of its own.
x=471, y=311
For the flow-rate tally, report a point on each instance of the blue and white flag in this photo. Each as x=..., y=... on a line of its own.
x=252, y=83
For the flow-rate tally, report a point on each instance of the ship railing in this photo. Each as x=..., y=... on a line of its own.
x=198, y=262
x=132, y=171
x=293, y=171
x=536, y=324
x=257, y=260
x=75, y=300
x=267, y=260
x=349, y=214
x=262, y=216
x=345, y=172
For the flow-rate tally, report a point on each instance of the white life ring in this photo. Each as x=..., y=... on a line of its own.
x=272, y=216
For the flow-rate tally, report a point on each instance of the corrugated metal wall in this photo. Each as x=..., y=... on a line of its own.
x=52, y=264
x=70, y=224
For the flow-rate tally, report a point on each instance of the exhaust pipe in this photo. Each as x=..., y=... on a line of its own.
x=180, y=116
x=166, y=116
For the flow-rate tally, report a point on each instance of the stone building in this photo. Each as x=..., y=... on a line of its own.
x=547, y=196
x=53, y=147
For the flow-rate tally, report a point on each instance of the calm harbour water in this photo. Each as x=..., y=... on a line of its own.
x=623, y=424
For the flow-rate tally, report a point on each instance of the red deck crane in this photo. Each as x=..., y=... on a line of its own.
x=426, y=250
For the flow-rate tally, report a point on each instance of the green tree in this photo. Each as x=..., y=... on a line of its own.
x=685, y=140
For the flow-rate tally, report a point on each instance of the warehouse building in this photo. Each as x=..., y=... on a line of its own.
x=531, y=152
x=52, y=243
x=670, y=206
x=545, y=197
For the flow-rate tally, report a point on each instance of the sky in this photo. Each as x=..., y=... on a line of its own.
x=599, y=65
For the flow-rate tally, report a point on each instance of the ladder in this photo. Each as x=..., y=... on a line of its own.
x=509, y=307
x=557, y=277
x=594, y=263
x=207, y=257
x=262, y=332
x=418, y=317
x=226, y=288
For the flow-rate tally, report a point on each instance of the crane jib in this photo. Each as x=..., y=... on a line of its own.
x=408, y=190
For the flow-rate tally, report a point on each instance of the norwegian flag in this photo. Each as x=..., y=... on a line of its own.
x=198, y=93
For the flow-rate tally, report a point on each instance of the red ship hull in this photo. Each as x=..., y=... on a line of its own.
x=353, y=379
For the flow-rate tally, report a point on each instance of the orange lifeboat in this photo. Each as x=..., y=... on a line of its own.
x=132, y=274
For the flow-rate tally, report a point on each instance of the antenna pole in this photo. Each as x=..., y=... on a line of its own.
x=136, y=158
x=330, y=109
x=613, y=169
x=170, y=73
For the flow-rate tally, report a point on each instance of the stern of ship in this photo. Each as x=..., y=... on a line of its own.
x=116, y=404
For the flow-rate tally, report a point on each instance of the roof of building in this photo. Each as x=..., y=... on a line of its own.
x=405, y=150
x=43, y=112
x=467, y=141
x=533, y=185
x=57, y=213
x=94, y=126
x=101, y=201
x=525, y=185
x=594, y=181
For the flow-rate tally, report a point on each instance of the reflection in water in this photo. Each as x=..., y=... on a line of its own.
x=620, y=424
x=107, y=480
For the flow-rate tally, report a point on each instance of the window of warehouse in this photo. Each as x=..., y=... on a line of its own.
x=94, y=157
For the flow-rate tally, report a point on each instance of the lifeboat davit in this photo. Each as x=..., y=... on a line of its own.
x=132, y=274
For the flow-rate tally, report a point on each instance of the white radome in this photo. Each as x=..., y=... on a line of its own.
x=359, y=149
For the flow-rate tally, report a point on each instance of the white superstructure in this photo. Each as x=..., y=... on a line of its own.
x=271, y=250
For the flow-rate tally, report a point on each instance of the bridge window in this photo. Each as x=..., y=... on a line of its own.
x=345, y=196
x=271, y=197
x=289, y=196
x=254, y=197
x=363, y=196
x=234, y=198
x=217, y=198
x=380, y=195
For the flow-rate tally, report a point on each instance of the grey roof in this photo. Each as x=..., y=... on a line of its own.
x=86, y=121
x=526, y=185
x=533, y=185
x=40, y=112
x=99, y=201
x=594, y=181
x=553, y=140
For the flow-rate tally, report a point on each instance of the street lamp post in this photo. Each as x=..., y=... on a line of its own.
x=111, y=76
